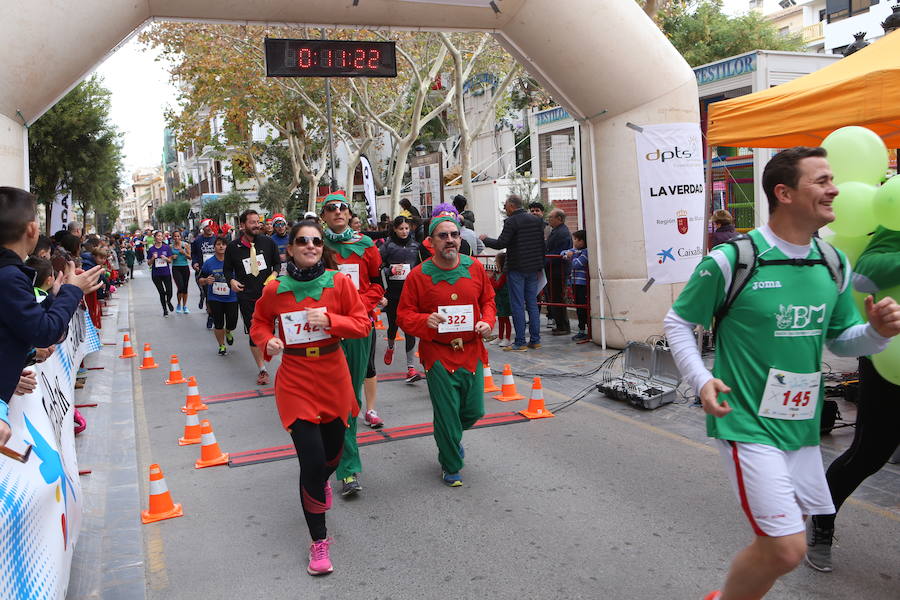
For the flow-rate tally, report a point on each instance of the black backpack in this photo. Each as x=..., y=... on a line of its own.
x=747, y=262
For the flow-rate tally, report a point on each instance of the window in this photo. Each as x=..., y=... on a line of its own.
x=836, y=10
x=785, y=31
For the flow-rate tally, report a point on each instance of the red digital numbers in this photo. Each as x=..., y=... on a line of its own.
x=799, y=399
x=304, y=58
x=358, y=59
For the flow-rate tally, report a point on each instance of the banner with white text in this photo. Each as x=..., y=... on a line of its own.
x=40, y=499
x=670, y=167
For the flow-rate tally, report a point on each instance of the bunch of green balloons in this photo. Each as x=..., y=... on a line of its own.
x=859, y=161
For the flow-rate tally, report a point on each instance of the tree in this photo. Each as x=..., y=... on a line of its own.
x=74, y=148
x=702, y=33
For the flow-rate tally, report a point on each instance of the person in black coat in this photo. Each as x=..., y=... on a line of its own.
x=559, y=240
x=724, y=228
x=24, y=322
x=523, y=238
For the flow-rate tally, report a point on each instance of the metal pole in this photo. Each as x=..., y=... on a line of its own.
x=330, y=134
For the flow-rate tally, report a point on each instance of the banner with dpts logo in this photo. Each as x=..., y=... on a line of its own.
x=670, y=167
x=40, y=500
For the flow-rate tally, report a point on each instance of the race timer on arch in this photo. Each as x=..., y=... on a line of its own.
x=329, y=58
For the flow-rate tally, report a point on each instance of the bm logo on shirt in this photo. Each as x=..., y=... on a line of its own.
x=793, y=321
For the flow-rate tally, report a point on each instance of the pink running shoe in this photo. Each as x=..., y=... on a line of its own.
x=80, y=423
x=328, y=495
x=319, y=561
x=373, y=420
x=715, y=595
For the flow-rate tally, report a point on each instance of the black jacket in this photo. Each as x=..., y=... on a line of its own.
x=233, y=264
x=25, y=324
x=523, y=238
x=560, y=240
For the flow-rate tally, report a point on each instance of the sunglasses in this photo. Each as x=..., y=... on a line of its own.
x=446, y=235
x=303, y=240
x=333, y=206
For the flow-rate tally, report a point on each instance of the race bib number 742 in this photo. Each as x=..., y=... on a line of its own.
x=297, y=329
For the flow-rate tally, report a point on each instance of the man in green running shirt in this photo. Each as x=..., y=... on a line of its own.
x=768, y=364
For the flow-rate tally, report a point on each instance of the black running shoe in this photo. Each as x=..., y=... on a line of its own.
x=209, y=322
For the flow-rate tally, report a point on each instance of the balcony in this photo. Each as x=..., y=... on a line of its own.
x=813, y=33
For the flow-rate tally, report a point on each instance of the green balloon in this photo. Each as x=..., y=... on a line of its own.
x=856, y=154
x=851, y=246
x=859, y=299
x=887, y=362
x=853, y=214
x=886, y=204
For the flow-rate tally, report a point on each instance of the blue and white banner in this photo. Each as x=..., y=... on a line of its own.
x=40, y=500
x=369, y=188
x=670, y=168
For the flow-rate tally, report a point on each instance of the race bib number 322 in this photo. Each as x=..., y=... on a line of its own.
x=790, y=396
x=459, y=317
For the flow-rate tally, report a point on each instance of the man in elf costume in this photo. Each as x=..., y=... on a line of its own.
x=357, y=258
x=448, y=303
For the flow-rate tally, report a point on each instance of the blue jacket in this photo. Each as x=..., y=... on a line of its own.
x=579, y=266
x=25, y=324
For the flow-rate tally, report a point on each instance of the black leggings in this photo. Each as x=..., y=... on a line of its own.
x=319, y=448
x=391, y=311
x=163, y=285
x=876, y=437
x=181, y=275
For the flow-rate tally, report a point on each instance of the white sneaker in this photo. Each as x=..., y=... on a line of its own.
x=504, y=343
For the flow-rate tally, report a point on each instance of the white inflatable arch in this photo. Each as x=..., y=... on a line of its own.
x=604, y=61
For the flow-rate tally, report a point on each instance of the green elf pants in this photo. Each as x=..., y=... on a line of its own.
x=457, y=400
x=357, y=353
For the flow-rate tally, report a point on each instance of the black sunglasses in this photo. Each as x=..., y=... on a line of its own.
x=333, y=206
x=445, y=235
x=303, y=240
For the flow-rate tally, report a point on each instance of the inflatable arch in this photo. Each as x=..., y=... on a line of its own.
x=605, y=62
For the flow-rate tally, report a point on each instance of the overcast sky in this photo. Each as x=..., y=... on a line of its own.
x=141, y=91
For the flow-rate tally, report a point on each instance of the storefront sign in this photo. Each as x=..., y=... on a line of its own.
x=40, y=500
x=551, y=115
x=733, y=67
x=670, y=167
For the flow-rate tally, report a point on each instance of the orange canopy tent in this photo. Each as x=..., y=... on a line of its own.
x=862, y=89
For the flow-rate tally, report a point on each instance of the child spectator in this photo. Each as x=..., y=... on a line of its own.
x=129, y=258
x=43, y=278
x=25, y=324
x=578, y=279
x=501, y=299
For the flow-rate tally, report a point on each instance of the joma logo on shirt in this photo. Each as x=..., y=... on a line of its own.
x=791, y=318
x=765, y=285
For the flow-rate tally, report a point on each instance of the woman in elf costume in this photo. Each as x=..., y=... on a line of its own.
x=315, y=307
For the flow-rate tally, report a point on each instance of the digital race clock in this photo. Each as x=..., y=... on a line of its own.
x=329, y=58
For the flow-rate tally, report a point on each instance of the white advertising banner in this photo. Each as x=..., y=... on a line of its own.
x=40, y=499
x=59, y=213
x=670, y=167
x=369, y=189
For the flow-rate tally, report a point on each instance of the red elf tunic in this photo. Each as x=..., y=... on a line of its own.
x=312, y=388
x=427, y=287
x=361, y=252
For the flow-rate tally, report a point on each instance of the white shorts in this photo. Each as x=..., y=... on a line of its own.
x=776, y=488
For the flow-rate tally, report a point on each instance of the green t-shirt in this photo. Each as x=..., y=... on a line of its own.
x=180, y=257
x=780, y=320
x=879, y=264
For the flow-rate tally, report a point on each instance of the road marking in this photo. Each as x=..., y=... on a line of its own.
x=867, y=506
x=154, y=549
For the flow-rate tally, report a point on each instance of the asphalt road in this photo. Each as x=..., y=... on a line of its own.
x=595, y=503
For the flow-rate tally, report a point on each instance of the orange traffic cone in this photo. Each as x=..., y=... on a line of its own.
x=210, y=454
x=175, y=375
x=489, y=385
x=191, y=429
x=192, y=401
x=508, y=392
x=148, y=362
x=161, y=506
x=127, y=350
x=536, y=408
x=379, y=324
